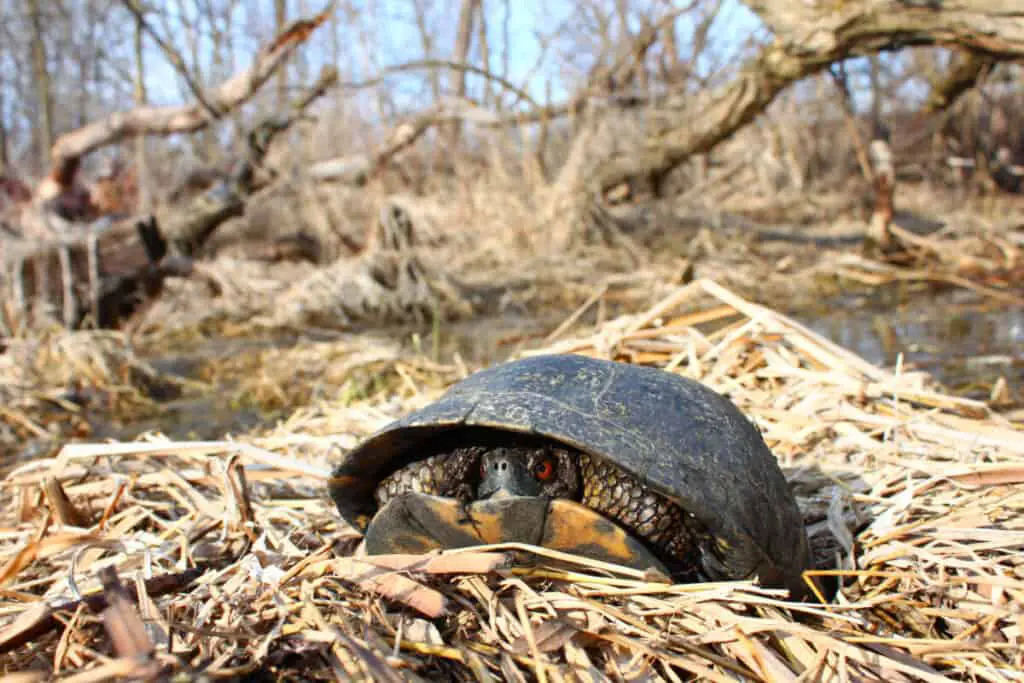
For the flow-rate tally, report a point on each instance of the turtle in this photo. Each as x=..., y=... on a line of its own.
x=610, y=460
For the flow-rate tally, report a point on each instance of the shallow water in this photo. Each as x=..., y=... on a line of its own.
x=964, y=343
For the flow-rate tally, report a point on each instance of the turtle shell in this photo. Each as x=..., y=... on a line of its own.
x=680, y=437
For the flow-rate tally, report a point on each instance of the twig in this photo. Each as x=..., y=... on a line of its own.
x=174, y=57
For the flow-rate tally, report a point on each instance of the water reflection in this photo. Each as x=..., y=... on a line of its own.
x=959, y=343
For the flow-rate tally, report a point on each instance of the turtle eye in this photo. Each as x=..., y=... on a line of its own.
x=544, y=469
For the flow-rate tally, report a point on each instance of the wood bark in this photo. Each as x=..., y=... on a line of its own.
x=3, y=134
x=102, y=273
x=141, y=97
x=41, y=75
x=358, y=169
x=463, y=38
x=807, y=38
x=884, y=172
x=842, y=83
x=485, y=59
x=189, y=230
x=427, y=45
x=967, y=69
x=280, y=19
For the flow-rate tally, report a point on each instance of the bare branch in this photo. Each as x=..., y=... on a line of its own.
x=441, y=64
x=961, y=78
x=191, y=229
x=809, y=37
x=184, y=118
x=173, y=56
x=357, y=169
x=841, y=80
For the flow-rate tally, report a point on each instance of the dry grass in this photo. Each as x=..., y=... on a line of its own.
x=46, y=379
x=913, y=495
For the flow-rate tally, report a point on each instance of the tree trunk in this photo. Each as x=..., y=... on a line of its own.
x=436, y=151
x=427, y=45
x=875, y=81
x=280, y=20
x=41, y=75
x=3, y=134
x=670, y=66
x=463, y=39
x=141, y=163
x=485, y=60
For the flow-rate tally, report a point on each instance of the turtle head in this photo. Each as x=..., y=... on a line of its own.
x=540, y=471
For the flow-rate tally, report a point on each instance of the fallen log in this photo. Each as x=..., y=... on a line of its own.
x=387, y=283
x=298, y=246
x=806, y=38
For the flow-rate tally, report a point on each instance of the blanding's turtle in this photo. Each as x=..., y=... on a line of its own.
x=613, y=461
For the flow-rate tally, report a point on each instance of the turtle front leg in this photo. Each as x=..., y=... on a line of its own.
x=449, y=475
x=673, y=533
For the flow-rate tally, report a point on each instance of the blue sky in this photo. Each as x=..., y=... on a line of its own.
x=395, y=39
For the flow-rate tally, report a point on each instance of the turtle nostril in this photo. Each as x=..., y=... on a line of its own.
x=502, y=466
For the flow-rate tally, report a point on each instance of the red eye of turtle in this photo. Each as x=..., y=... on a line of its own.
x=544, y=470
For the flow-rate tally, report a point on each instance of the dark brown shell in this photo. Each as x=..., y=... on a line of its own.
x=682, y=438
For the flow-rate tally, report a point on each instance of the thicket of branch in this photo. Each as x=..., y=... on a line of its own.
x=648, y=89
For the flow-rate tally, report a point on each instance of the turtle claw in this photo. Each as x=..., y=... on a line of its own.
x=725, y=561
x=713, y=568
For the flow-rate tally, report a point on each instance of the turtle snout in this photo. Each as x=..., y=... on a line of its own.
x=505, y=474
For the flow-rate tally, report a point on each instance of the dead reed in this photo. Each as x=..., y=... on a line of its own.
x=226, y=557
x=46, y=379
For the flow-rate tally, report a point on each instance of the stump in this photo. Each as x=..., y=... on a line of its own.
x=100, y=276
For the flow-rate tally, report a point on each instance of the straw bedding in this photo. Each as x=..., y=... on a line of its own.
x=912, y=498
